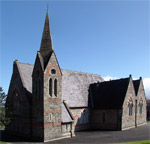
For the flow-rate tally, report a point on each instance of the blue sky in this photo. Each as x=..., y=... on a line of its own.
x=110, y=38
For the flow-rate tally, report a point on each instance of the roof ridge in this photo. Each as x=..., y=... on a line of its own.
x=82, y=72
x=118, y=79
x=136, y=80
x=68, y=70
x=25, y=63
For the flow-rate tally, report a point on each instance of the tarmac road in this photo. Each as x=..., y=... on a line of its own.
x=107, y=137
x=99, y=137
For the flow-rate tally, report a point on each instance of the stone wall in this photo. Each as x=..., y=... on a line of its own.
x=128, y=121
x=81, y=118
x=141, y=115
x=18, y=104
x=105, y=119
x=37, y=120
x=67, y=130
x=52, y=100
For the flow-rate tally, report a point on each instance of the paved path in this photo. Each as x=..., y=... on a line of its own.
x=100, y=137
x=107, y=137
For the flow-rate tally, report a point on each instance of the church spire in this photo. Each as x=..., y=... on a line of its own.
x=46, y=43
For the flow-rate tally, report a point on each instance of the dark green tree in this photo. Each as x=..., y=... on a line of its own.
x=3, y=119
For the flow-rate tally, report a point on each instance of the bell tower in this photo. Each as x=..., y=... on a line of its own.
x=47, y=90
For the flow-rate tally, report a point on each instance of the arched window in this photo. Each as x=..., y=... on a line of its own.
x=140, y=106
x=130, y=107
x=50, y=87
x=16, y=102
x=55, y=87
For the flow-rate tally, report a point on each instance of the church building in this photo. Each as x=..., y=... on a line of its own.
x=50, y=103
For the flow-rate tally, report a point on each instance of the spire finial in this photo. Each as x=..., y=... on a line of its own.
x=46, y=43
x=47, y=6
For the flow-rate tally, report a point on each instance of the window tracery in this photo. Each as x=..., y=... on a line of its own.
x=130, y=107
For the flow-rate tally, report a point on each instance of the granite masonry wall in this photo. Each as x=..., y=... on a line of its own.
x=141, y=116
x=104, y=119
x=18, y=105
x=128, y=120
x=81, y=118
x=52, y=100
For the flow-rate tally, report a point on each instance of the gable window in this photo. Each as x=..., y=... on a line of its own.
x=53, y=71
x=16, y=102
x=50, y=87
x=140, y=106
x=130, y=107
x=55, y=87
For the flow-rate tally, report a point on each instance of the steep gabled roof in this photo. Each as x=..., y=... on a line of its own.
x=109, y=94
x=75, y=87
x=136, y=84
x=26, y=75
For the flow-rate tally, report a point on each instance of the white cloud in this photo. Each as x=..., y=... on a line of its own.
x=108, y=78
x=146, y=83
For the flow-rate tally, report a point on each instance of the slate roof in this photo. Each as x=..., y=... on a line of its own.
x=136, y=84
x=66, y=114
x=26, y=75
x=46, y=43
x=75, y=87
x=109, y=94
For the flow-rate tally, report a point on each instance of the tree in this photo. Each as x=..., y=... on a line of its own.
x=3, y=119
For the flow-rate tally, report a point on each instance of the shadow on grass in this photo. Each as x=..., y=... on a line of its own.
x=5, y=137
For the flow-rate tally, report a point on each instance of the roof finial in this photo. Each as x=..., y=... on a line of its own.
x=47, y=6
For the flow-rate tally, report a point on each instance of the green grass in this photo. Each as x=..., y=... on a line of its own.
x=2, y=142
x=136, y=142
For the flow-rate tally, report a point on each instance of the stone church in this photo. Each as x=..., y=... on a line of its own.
x=50, y=103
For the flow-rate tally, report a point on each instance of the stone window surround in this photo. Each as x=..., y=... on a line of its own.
x=130, y=105
x=53, y=84
x=140, y=106
x=16, y=101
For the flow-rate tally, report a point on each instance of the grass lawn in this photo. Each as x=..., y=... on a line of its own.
x=136, y=142
x=2, y=142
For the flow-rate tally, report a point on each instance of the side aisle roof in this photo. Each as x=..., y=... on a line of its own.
x=109, y=94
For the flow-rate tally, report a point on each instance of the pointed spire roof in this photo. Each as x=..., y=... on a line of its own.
x=46, y=43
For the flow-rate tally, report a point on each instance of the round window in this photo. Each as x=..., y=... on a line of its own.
x=53, y=71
